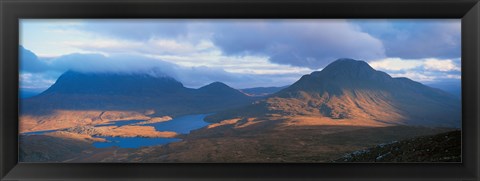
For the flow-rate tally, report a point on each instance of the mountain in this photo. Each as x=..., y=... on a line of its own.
x=262, y=91
x=351, y=89
x=25, y=93
x=220, y=89
x=218, y=96
x=132, y=92
x=29, y=61
x=72, y=82
x=452, y=87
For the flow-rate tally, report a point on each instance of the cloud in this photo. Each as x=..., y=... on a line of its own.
x=441, y=65
x=242, y=52
x=415, y=76
x=30, y=62
x=185, y=53
x=36, y=81
x=423, y=70
x=427, y=64
x=150, y=47
x=102, y=63
x=427, y=77
x=190, y=76
x=395, y=64
x=141, y=29
x=305, y=43
x=415, y=39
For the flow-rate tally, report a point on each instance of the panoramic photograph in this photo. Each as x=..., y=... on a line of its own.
x=240, y=91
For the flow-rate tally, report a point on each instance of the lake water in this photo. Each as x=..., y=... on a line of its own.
x=181, y=125
x=39, y=132
x=135, y=142
x=120, y=123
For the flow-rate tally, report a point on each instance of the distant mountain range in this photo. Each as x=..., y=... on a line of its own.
x=113, y=91
x=347, y=106
x=452, y=87
x=23, y=94
x=262, y=91
x=344, y=89
x=348, y=89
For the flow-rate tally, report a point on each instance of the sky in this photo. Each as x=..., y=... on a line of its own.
x=240, y=53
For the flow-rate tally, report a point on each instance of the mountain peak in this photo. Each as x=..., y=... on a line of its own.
x=113, y=83
x=351, y=89
x=215, y=86
x=350, y=70
x=346, y=65
x=340, y=75
x=220, y=88
x=350, y=62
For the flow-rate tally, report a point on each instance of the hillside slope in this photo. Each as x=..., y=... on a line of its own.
x=351, y=89
x=79, y=98
x=444, y=147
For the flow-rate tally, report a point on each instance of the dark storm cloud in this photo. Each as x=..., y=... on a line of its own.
x=414, y=39
x=305, y=43
x=125, y=46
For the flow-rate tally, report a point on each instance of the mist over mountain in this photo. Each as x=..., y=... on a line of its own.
x=345, y=89
x=120, y=91
x=323, y=112
x=72, y=82
x=348, y=89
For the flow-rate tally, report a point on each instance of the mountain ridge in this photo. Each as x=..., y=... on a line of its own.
x=137, y=91
x=351, y=89
x=262, y=91
x=73, y=82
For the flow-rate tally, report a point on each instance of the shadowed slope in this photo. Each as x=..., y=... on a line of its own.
x=82, y=98
x=111, y=91
x=72, y=82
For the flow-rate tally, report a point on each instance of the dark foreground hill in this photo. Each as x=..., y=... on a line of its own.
x=351, y=89
x=444, y=147
x=298, y=144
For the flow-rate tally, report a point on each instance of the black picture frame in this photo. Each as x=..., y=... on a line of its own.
x=13, y=10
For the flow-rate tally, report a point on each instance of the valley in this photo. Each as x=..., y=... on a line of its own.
x=261, y=142
x=346, y=107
